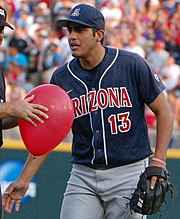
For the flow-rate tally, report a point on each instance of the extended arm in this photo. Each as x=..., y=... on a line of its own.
x=164, y=128
x=164, y=125
x=17, y=189
x=21, y=109
x=147, y=198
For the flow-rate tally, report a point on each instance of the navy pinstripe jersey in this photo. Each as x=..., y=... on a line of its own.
x=109, y=125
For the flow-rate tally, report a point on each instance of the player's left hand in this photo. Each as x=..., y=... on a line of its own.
x=147, y=200
x=154, y=179
x=13, y=195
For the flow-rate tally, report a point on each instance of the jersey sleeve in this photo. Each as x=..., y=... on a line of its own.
x=58, y=76
x=53, y=77
x=149, y=83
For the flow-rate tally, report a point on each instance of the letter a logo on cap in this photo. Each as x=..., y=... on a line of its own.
x=76, y=12
x=2, y=12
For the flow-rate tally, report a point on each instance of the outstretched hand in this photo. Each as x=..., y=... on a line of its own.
x=13, y=195
x=23, y=109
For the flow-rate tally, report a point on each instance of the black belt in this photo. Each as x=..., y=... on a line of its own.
x=103, y=167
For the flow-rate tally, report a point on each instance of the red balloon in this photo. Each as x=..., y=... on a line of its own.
x=45, y=137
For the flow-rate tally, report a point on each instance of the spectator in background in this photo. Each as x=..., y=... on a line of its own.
x=158, y=56
x=60, y=9
x=16, y=92
x=160, y=25
x=41, y=40
x=12, y=72
x=11, y=7
x=17, y=57
x=169, y=6
x=46, y=75
x=19, y=40
x=21, y=76
x=134, y=47
x=44, y=45
x=24, y=19
x=51, y=55
x=171, y=95
x=174, y=31
x=33, y=53
x=114, y=39
x=112, y=12
x=21, y=4
x=28, y=85
x=63, y=44
x=42, y=15
x=170, y=73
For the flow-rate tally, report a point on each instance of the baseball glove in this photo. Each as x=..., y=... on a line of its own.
x=147, y=201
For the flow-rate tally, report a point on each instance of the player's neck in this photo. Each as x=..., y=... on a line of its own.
x=93, y=60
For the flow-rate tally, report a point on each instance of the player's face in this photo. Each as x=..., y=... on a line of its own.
x=82, y=41
x=1, y=34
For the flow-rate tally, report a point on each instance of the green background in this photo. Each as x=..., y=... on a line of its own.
x=51, y=183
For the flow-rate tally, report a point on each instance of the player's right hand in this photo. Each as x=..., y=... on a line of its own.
x=13, y=194
x=23, y=109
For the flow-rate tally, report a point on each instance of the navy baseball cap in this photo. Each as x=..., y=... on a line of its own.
x=3, y=16
x=86, y=15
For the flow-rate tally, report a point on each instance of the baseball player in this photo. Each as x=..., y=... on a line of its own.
x=109, y=88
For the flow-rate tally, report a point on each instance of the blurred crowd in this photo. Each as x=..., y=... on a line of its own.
x=36, y=47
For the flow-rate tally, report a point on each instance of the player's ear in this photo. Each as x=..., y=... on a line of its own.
x=99, y=35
